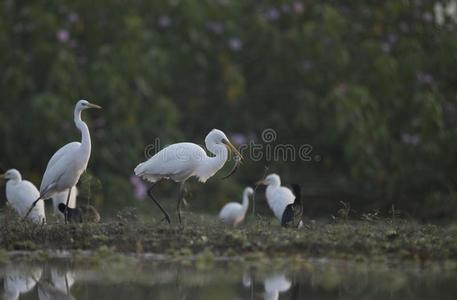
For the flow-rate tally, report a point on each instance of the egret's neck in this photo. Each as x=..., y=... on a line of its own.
x=82, y=126
x=210, y=165
x=245, y=203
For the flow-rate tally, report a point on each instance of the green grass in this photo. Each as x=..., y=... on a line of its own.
x=359, y=239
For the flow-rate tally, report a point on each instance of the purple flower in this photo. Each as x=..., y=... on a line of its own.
x=424, y=78
x=164, y=21
x=410, y=139
x=139, y=187
x=215, y=27
x=235, y=44
x=298, y=7
x=63, y=35
x=239, y=138
x=285, y=8
x=73, y=17
x=272, y=14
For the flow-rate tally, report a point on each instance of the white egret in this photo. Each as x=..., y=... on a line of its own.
x=20, y=280
x=233, y=213
x=21, y=194
x=280, y=199
x=62, y=198
x=181, y=161
x=69, y=162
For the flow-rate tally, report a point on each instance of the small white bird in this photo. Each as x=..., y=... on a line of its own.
x=278, y=197
x=69, y=162
x=21, y=194
x=233, y=213
x=275, y=284
x=19, y=280
x=62, y=198
x=181, y=161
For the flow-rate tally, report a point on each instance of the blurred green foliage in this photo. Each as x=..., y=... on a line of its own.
x=371, y=85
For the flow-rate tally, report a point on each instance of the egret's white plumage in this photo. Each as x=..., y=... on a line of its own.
x=275, y=284
x=69, y=162
x=278, y=197
x=233, y=213
x=181, y=161
x=21, y=194
x=19, y=281
x=62, y=198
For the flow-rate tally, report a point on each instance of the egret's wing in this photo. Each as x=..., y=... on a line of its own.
x=58, y=164
x=278, y=198
x=68, y=148
x=230, y=211
x=177, y=161
x=21, y=196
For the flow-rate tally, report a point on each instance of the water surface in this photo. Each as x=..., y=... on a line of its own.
x=319, y=279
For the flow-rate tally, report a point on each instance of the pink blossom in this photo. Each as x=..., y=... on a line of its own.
x=139, y=187
x=63, y=35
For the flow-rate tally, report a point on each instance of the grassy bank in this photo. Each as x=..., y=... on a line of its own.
x=339, y=238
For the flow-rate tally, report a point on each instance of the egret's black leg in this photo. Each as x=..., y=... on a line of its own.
x=182, y=189
x=65, y=213
x=166, y=216
x=31, y=207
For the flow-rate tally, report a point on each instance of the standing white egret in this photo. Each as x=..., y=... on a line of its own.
x=233, y=213
x=69, y=162
x=279, y=198
x=21, y=194
x=62, y=198
x=181, y=161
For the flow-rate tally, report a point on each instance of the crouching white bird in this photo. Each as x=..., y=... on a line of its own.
x=62, y=198
x=233, y=213
x=21, y=194
x=69, y=162
x=181, y=161
x=281, y=200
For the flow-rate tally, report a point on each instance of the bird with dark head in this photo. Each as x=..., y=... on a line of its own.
x=72, y=215
x=294, y=212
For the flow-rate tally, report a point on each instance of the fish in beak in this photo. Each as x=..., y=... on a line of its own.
x=238, y=158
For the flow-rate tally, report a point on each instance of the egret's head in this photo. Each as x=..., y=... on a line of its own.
x=272, y=179
x=84, y=104
x=12, y=174
x=249, y=191
x=217, y=137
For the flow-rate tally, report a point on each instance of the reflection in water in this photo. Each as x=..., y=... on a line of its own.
x=19, y=280
x=56, y=286
x=275, y=284
x=310, y=279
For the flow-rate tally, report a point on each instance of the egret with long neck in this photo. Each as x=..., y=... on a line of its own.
x=181, y=161
x=66, y=166
x=233, y=213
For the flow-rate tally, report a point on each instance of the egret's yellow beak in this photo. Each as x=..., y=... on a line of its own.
x=232, y=149
x=91, y=105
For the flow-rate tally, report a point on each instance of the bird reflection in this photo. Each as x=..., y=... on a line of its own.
x=275, y=284
x=57, y=286
x=20, y=280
